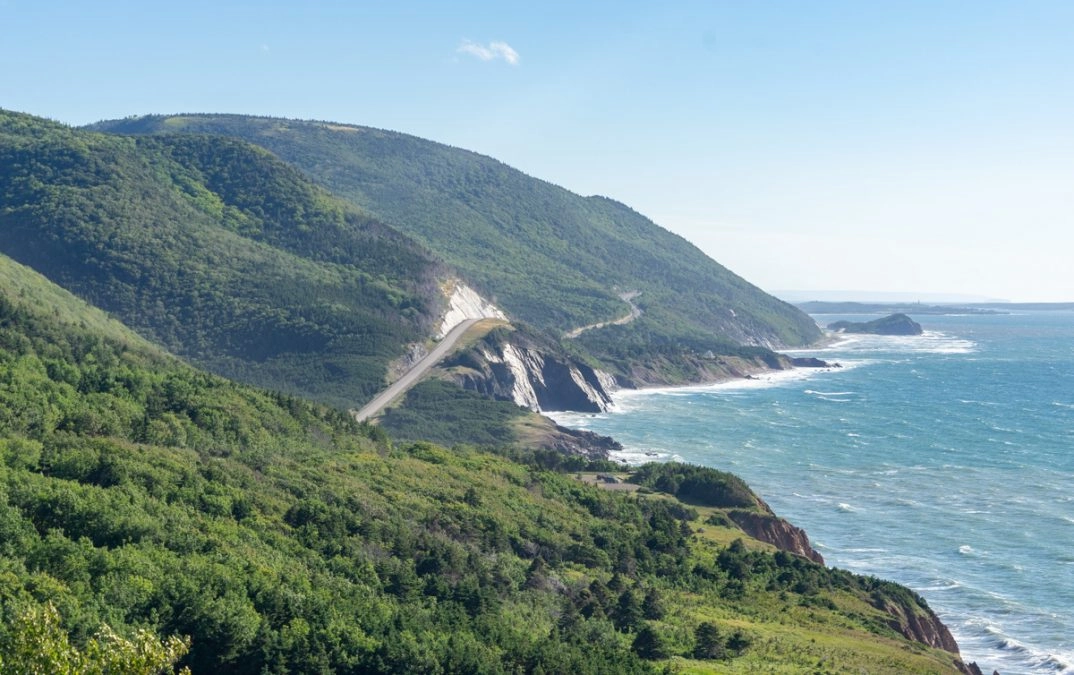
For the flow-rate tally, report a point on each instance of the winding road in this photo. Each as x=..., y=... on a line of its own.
x=635, y=312
x=411, y=377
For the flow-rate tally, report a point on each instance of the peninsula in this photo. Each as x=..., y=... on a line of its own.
x=894, y=324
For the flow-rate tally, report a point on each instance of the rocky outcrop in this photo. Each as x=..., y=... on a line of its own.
x=774, y=530
x=579, y=442
x=971, y=668
x=812, y=362
x=533, y=376
x=896, y=324
x=911, y=617
x=464, y=303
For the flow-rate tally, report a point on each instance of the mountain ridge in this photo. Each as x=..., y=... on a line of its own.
x=549, y=257
x=218, y=251
x=136, y=490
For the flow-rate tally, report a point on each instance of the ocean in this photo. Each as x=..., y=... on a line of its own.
x=944, y=462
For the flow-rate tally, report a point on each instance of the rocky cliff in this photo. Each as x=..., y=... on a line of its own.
x=909, y=614
x=772, y=529
x=917, y=622
x=515, y=367
x=464, y=303
x=912, y=618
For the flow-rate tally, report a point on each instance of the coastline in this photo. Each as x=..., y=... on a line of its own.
x=759, y=379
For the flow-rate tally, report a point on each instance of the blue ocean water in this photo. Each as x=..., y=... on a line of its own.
x=944, y=462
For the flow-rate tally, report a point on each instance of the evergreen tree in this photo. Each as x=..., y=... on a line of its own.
x=649, y=644
x=707, y=642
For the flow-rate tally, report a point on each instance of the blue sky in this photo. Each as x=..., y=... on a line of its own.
x=910, y=147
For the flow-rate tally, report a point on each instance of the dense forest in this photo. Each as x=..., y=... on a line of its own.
x=218, y=251
x=549, y=257
x=157, y=517
x=155, y=513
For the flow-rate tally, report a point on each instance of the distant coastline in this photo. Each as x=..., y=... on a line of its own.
x=826, y=307
x=980, y=308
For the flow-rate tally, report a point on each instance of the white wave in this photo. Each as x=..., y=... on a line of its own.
x=1040, y=660
x=635, y=456
x=839, y=341
x=847, y=508
x=939, y=585
x=1060, y=404
x=621, y=398
x=929, y=342
x=1061, y=662
x=966, y=549
x=828, y=393
x=1007, y=653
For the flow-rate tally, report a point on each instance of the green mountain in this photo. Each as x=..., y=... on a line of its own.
x=218, y=251
x=143, y=499
x=549, y=257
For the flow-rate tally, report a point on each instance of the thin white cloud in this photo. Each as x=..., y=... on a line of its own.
x=489, y=52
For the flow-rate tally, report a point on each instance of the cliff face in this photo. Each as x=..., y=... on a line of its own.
x=917, y=622
x=531, y=376
x=909, y=615
x=776, y=531
x=577, y=442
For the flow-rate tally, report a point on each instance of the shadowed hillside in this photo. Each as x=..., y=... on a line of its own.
x=218, y=251
x=549, y=257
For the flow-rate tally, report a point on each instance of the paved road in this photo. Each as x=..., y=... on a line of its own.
x=634, y=313
x=411, y=377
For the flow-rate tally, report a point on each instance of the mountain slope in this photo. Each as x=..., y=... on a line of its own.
x=551, y=258
x=218, y=251
x=280, y=536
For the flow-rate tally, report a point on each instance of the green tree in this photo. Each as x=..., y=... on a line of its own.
x=628, y=611
x=37, y=643
x=707, y=642
x=653, y=605
x=648, y=644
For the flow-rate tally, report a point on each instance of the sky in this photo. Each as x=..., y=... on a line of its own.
x=911, y=149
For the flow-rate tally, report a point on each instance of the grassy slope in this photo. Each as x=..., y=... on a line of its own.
x=280, y=536
x=550, y=257
x=217, y=250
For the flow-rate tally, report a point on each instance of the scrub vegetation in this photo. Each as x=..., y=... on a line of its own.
x=148, y=508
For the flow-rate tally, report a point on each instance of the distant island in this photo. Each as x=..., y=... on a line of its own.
x=895, y=324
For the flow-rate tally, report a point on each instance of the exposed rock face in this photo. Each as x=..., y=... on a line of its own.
x=532, y=377
x=580, y=442
x=912, y=619
x=812, y=362
x=918, y=622
x=896, y=324
x=971, y=668
x=464, y=303
x=774, y=530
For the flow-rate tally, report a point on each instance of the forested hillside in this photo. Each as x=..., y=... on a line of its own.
x=220, y=252
x=278, y=536
x=549, y=257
